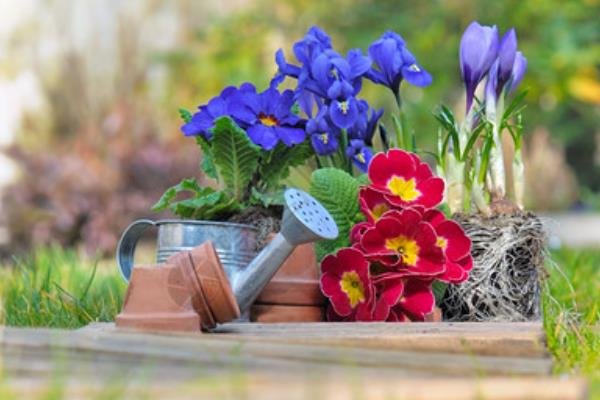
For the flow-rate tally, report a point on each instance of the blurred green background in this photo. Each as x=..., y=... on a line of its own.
x=101, y=141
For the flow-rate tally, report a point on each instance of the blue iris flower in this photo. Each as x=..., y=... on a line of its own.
x=366, y=123
x=326, y=74
x=268, y=117
x=360, y=154
x=395, y=63
x=203, y=121
x=323, y=134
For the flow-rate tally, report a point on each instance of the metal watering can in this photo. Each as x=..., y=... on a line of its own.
x=304, y=220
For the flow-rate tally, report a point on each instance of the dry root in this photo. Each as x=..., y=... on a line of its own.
x=508, y=266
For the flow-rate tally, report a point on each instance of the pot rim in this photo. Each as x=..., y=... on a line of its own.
x=204, y=222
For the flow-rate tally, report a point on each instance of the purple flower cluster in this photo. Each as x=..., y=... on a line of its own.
x=330, y=83
x=266, y=116
x=482, y=54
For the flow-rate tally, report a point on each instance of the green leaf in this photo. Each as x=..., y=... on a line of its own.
x=236, y=157
x=207, y=165
x=281, y=160
x=185, y=115
x=338, y=192
x=186, y=185
x=267, y=199
x=439, y=290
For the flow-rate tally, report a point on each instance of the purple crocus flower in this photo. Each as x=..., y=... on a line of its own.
x=323, y=134
x=394, y=63
x=518, y=71
x=203, y=121
x=506, y=56
x=268, y=117
x=478, y=50
x=360, y=154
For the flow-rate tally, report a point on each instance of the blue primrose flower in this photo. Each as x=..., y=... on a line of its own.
x=395, y=63
x=323, y=134
x=268, y=117
x=365, y=125
x=360, y=154
x=478, y=51
x=203, y=121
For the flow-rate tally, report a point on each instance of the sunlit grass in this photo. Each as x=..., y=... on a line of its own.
x=572, y=313
x=57, y=288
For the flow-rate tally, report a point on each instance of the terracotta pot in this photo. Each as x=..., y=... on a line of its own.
x=434, y=316
x=158, y=299
x=189, y=293
x=273, y=313
x=294, y=293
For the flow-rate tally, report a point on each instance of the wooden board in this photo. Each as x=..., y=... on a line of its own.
x=320, y=360
x=257, y=387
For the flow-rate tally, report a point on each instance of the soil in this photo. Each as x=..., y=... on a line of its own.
x=266, y=220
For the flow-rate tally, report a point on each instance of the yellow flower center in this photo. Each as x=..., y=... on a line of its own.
x=324, y=138
x=407, y=248
x=405, y=189
x=360, y=157
x=267, y=120
x=343, y=106
x=442, y=243
x=379, y=210
x=353, y=287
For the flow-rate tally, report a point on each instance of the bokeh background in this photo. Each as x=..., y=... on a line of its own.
x=89, y=92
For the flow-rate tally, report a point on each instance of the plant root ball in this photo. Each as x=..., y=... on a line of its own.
x=508, y=266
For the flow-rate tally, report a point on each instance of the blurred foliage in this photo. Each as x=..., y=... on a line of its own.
x=560, y=39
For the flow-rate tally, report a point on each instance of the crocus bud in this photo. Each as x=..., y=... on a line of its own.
x=518, y=71
x=506, y=57
x=478, y=50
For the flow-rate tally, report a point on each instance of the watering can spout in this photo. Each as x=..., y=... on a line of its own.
x=304, y=220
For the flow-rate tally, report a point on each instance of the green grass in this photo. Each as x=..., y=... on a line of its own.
x=572, y=313
x=56, y=288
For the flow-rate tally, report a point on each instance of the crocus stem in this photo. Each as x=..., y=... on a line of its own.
x=497, y=173
x=454, y=174
x=519, y=178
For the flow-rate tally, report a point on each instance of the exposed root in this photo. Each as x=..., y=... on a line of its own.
x=508, y=266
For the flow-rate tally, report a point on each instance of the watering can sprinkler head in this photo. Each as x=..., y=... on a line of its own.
x=304, y=220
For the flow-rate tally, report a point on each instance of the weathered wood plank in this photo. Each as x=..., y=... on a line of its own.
x=525, y=339
x=174, y=355
x=314, y=387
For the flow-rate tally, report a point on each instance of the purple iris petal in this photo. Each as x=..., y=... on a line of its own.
x=360, y=154
x=343, y=113
x=324, y=143
x=394, y=63
x=359, y=64
x=263, y=136
x=314, y=42
x=491, y=86
x=478, y=50
x=518, y=71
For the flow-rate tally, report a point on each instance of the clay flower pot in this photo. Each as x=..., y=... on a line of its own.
x=294, y=294
x=189, y=293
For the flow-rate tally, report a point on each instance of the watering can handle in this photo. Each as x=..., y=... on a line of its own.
x=127, y=243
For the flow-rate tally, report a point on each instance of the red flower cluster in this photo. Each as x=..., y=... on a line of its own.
x=404, y=246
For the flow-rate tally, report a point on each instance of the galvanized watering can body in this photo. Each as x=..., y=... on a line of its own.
x=235, y=243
